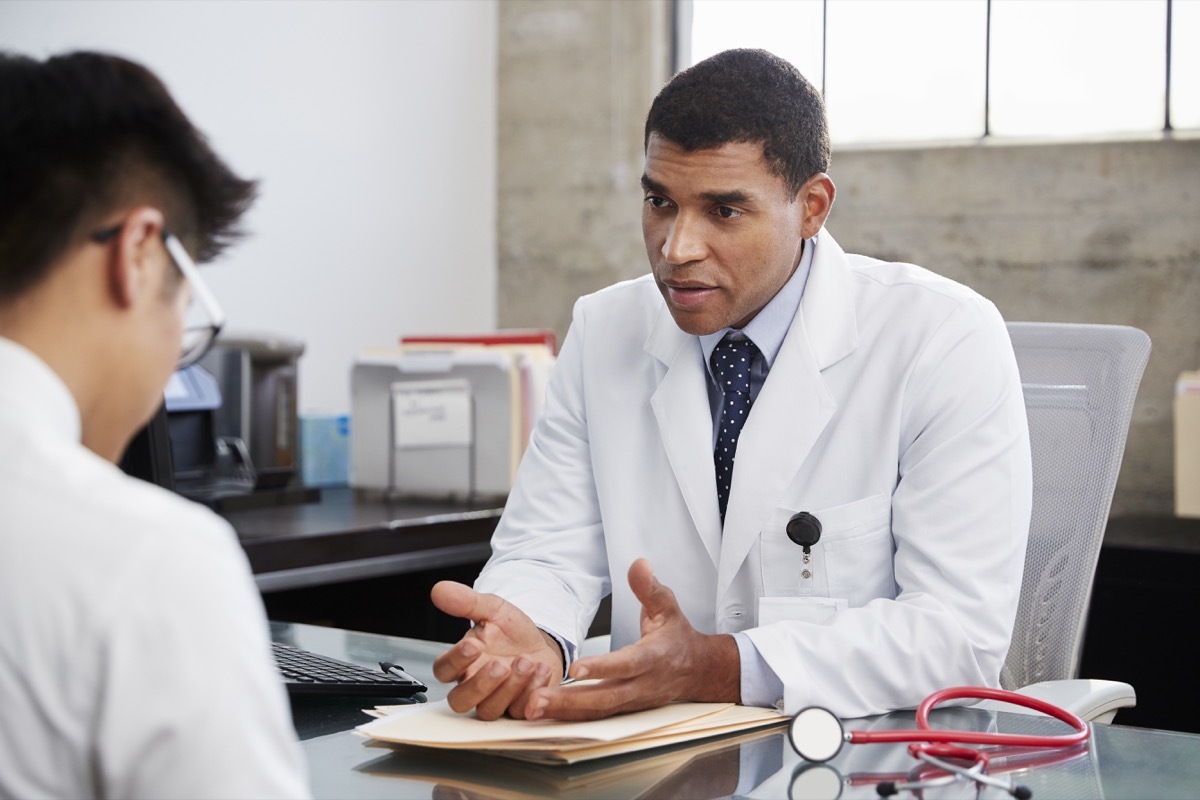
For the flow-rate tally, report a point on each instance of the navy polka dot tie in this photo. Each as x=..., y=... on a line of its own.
x=731, y=360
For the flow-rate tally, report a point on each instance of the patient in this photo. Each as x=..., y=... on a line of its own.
x=134, y=656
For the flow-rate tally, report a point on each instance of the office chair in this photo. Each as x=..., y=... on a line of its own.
x=1079, y=381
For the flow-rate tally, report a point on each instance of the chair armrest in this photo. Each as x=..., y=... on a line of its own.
x=1091, y=700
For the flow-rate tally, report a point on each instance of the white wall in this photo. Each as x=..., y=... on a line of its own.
x=372, y=127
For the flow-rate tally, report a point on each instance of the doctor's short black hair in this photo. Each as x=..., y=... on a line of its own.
x=83, y=135
x=750, y=96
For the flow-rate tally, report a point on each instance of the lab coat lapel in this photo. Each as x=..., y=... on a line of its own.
x=684, y=418
x=792, y=409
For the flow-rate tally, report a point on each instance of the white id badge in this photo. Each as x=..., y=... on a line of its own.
x=818, y=610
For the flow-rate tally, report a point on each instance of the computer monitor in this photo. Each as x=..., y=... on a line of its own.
x=192, y=399
x=175, y=449
x=148, y=456
x=178, y=450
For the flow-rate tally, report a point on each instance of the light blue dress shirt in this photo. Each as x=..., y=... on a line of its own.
x=760, y=685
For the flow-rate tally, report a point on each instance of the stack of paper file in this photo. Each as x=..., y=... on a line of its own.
x=446, y=418
x=677, y=771
x=559, y=742
x=531, y=354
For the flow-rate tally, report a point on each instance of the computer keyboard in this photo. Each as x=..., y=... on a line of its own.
x=305, y=672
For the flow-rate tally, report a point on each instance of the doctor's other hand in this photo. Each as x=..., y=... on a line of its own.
x=500, y=661
x=672, y=661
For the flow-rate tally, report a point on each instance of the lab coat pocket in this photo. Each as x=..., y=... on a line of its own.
x=858, y=550
x=829, y=570
x=817, y=610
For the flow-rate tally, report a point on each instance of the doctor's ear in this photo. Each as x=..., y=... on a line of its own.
x=137, y=252
x=816, y=195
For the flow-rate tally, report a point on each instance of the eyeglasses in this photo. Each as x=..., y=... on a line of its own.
x=204, y=316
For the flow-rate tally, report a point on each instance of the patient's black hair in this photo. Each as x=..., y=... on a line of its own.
x=85, y=134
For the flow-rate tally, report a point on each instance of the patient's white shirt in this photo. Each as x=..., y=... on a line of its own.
x=134, y=650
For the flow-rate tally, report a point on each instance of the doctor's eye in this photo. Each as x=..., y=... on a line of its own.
x=655, y=201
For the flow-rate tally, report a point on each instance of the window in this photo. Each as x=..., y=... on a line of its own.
x=791, y=30
x=1185, y=64
x=922, y=70
x=884, y=87
x=1074, y=68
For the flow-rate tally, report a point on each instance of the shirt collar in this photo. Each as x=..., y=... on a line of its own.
x=769, y=326
x=33, y=394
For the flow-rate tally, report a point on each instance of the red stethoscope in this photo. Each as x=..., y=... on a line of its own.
x=817, y=735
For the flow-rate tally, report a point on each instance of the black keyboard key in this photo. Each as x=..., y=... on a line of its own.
x=305, y=672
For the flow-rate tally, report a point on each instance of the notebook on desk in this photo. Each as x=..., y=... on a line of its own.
x=307, y=673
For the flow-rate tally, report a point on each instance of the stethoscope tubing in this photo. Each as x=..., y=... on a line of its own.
x=924, y=733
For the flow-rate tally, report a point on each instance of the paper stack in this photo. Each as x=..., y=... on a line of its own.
x=446, y=416
x=557, y=742
x=531, y=354
x=667, y=772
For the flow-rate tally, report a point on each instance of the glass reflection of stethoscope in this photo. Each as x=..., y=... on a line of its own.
x=811, y=781
x=817, y=735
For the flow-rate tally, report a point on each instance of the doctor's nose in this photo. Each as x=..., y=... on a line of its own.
x=685, y=241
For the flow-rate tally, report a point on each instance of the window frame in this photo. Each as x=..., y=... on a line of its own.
x=681, y=13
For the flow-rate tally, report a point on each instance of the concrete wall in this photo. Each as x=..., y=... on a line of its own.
x=1088, y=232
x=575, y=81
x=1092, y=232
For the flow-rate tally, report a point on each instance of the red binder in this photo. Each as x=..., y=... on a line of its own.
x=542, y=336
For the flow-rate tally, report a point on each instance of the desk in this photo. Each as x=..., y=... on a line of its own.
x=350, y=535
x=1145, y=584
x=356, y=560
x=1119, y=762
x=345, y=560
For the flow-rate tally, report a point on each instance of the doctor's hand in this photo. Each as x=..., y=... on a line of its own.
x=500, y=661
x=672, y=661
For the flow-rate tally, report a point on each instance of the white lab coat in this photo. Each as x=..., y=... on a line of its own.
x=893, y=412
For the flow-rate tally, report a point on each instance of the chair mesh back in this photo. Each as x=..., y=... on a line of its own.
x=1080, y=382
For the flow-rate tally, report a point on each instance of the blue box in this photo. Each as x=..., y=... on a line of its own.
x=325, y=449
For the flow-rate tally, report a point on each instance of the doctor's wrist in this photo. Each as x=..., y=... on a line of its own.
x=719, y=677
x=556, y=646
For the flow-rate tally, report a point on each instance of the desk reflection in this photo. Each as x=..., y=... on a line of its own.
x=754, y=765
x=858, y=770
x=1118, y=762
x=705, y=770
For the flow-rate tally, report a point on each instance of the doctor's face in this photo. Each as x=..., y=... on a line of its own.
x=723, y=233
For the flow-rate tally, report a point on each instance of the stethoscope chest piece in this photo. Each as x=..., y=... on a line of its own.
x=815, y=782
x=816, y=734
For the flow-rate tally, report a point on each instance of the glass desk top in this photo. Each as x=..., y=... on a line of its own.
x=1118, y=762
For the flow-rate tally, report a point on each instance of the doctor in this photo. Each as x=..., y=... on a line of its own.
x=878, y=397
